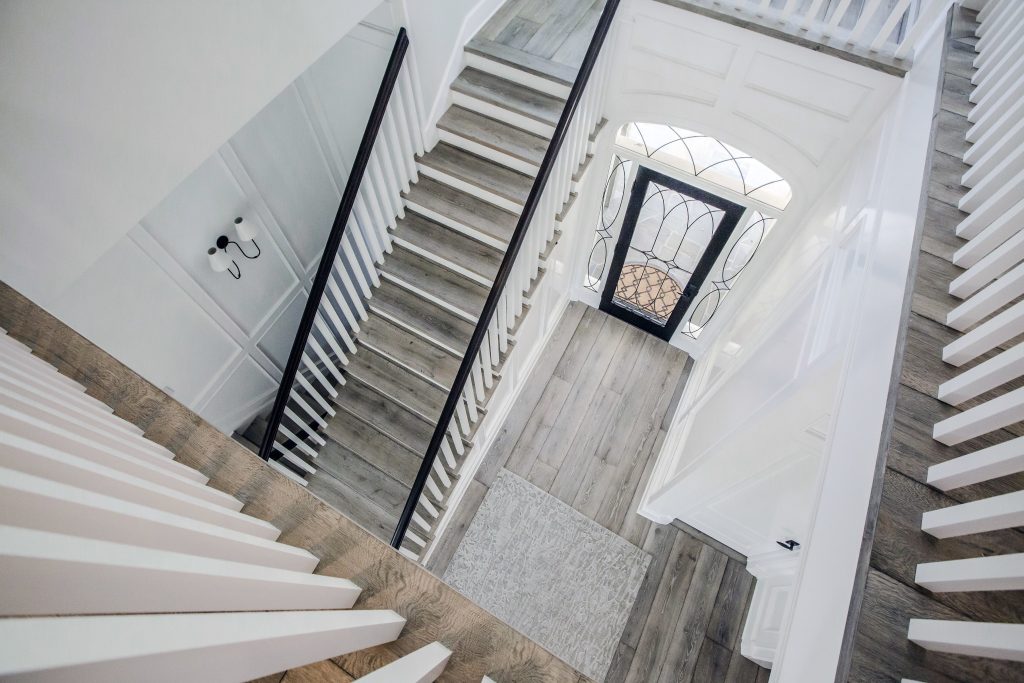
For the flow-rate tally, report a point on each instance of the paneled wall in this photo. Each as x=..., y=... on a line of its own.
x=108, y=105
x=217, y=344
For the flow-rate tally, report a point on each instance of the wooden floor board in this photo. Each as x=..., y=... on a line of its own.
x=712, y=662
x=691, y=627
x=655, y=641
x=727, y=617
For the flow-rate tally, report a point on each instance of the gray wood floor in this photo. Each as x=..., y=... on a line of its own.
x=880, y=650
x=553, y=31
x=586, y=429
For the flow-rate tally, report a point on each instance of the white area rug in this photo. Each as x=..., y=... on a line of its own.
x=563, y=580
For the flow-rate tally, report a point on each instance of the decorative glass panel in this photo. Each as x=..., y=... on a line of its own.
x=707, y=158
x=728, y=269
x=672, y=231
x=612, y=204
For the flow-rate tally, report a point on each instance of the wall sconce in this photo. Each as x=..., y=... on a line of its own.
x=218, y=255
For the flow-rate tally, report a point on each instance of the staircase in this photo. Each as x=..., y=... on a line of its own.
x=362, y=450
x=166, y=578
x=137, y=542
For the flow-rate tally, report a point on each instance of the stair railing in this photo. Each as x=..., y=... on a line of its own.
x=989, y=317
x=535, y=229
x=383, y=167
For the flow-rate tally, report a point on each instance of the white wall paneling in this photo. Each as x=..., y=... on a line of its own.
x=153, y=325
x=218, y=344
x=775, y=573
x=156, y=87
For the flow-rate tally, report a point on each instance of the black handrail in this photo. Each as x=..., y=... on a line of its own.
x=323, y=272
x=505, y=270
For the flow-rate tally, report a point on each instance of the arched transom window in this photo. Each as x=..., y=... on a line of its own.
x=707, y=158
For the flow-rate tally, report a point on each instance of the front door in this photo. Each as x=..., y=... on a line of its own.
x=671, y=235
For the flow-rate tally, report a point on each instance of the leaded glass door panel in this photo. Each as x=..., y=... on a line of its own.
x=671, y=235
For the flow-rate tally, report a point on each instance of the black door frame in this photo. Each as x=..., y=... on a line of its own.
x=733, y=213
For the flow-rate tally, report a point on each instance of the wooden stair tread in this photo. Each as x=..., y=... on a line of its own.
x=463, y=208
x=422, y=316
x=385, y=415
x=563, y=74
x=409, y=350
x=380, y=487
x=495, y=134
x=475, y=170
x=444, y=284
x=357, y=507
x=385, y=454
x=508, y=95
x=450, y=245
x=412, y=391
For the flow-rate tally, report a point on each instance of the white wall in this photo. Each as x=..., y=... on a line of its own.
x=216, y=344
x=438, y=30
x=800, y=112
x=107, y=104
x=742, y=456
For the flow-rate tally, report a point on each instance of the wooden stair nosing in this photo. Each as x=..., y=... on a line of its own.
x=503, y=137
x=403, y=470
x=555, y=72
x=421, y=326
x=371, y=377
x=442, y=286
x=403, y=347
x=458, y=208
x=344, y=464
x=388, y=416
x=509, y=95
x=449, y=248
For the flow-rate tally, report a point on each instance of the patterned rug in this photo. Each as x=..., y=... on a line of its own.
x=563, y=580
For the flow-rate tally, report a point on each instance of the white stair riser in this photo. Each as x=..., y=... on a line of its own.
x=511, y=73
x=36, y=503
x=488, y=152
x=501, y=114
x=471, y=189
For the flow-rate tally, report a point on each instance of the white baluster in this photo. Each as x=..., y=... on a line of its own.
x=422, y=666
x=989, y=514
x=993, y=373
x=895, y=15
x=220, y=646
x=1002, y=641
x=989, y=463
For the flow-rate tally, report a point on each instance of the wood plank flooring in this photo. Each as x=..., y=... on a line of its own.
x=586, y=429
x=879, y=648
x=554, y=32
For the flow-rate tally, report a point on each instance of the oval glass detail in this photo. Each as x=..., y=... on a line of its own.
x=724, y=277
x=612, y=199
